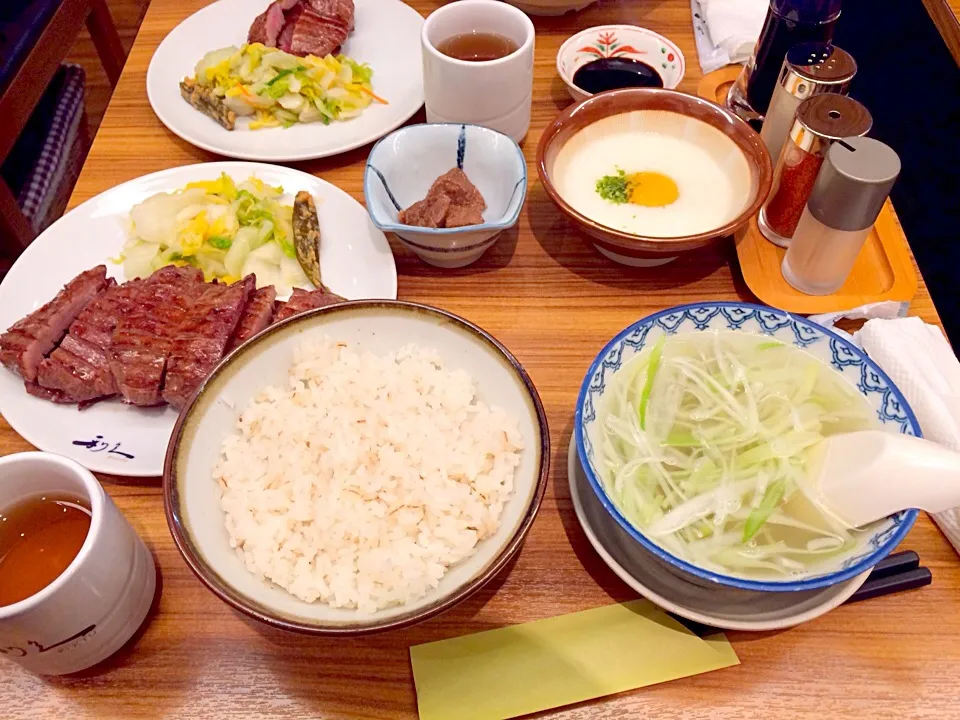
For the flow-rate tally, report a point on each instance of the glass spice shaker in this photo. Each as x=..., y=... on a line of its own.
x=851, y=188
x=788, y=23
x=821, y=119
x=809, y=69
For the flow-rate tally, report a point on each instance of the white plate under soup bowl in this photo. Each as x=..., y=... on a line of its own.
x=192, y=496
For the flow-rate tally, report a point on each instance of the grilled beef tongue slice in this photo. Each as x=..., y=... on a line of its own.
x=24, y=345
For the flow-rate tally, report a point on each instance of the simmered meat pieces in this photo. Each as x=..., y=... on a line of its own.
x=201, y=339
x=452, y=201
x=25, y=344
x=466, y=202
x=431, y=212
x=463, y=215
x=256, y=316
x=457, y=186
x=303, y=300
x=142, y=339
x=80, y=367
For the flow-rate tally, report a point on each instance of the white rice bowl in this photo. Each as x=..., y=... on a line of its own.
x=367, y=476
x=471, y=522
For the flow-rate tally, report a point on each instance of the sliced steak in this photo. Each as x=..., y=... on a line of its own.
x=304, y=27
x=273, y=23
x=336, y=12
x=256, y=316
x=303, y=300
x=46, y=394
x=258, y=29
x=25, y=344
x=80, y=367
x=267, y=26
x=286, y=37
x=202, y=336
x=307, y=33
x=143, y=336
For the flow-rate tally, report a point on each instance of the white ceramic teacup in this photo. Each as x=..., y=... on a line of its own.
x=100, y=600
x=493, y=93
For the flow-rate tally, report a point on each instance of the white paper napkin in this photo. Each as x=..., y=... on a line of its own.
x=920, y=361
x=726, y=30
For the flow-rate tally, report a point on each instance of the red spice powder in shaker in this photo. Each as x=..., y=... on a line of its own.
x=797, y=175
x=820, y=120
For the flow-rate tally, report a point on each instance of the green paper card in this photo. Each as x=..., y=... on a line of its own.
x=558, y=661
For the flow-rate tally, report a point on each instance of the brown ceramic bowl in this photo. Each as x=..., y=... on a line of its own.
x=192, y=496
x=735, y=146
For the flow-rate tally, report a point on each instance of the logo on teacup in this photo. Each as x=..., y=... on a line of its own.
x=34, y=647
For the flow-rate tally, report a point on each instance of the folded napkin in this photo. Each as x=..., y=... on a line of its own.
x=920, y=361
x=726, y=30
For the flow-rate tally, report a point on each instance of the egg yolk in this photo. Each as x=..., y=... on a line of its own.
x=651, y=189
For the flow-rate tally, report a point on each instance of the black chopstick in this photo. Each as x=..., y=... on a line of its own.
x=898, y=572
x=893, y=564
x=895, y=573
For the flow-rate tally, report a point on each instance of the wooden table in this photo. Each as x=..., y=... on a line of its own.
x=549, y=297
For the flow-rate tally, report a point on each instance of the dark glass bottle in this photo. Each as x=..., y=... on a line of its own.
x=788, y=23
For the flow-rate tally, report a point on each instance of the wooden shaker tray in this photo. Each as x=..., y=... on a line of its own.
x=884, y=269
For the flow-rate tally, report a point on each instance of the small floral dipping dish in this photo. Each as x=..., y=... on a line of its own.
x=619, y=41
x=874, y=542
x=403, y=165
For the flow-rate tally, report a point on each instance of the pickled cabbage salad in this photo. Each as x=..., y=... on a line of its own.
x=706, y=439
x=227, y=230
x=276, y=89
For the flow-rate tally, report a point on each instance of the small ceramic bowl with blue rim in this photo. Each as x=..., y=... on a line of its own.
x=403, y=165
x=872, y=543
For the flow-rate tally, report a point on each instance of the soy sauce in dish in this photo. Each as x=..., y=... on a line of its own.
x=614, y=73
x=39, y=538
x=477, y=46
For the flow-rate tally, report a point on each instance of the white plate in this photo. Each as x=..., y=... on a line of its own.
x=386, y=37
x=721, y=607
x=111, y=437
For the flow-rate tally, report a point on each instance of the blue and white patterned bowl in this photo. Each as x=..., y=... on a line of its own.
x=891, y=409
x=404, y=164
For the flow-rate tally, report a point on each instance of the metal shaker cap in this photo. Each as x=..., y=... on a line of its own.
x=816, y=67
x=854, y=181
x=834, y=116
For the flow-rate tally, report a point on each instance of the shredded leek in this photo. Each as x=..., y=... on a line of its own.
x=705, y=443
